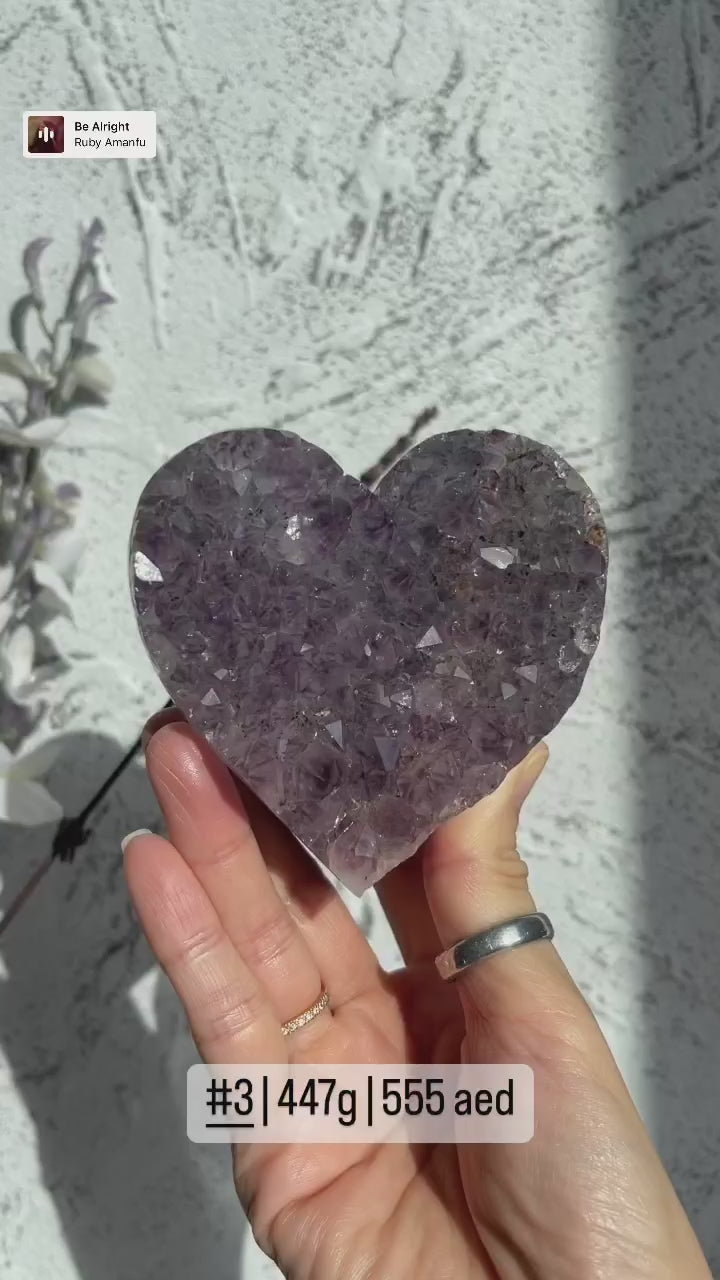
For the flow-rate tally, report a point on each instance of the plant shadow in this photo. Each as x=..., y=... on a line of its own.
x=98, y=1048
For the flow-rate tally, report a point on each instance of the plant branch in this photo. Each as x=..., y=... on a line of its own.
x=25, y=893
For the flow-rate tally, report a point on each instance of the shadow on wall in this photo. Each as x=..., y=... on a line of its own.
x=668, y=303
x=105, y=1090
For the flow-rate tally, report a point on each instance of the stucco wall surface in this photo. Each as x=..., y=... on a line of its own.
x=357, y=212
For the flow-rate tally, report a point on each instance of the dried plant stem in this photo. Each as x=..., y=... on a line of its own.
x=27, y=890
x=374, y=474
x=70, y=836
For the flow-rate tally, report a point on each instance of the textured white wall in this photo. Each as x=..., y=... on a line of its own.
x=509, y=212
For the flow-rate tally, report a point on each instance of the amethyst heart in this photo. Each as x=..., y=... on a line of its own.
x=369, y=662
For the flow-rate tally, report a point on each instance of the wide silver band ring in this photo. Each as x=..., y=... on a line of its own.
x=302, y=1019
x=502, y=937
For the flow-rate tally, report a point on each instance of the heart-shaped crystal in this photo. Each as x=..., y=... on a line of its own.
x=369, y=662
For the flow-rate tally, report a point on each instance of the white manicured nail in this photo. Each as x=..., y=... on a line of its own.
x=142, y=831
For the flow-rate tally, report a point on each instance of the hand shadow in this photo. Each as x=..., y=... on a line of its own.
x=98, y=1047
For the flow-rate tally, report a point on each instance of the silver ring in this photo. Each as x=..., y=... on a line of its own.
x=502, y=937
x=302, y=1019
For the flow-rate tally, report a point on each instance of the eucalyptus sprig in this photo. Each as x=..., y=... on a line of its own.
x=58, y=371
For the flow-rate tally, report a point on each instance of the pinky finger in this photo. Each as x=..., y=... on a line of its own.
x=230, y=1017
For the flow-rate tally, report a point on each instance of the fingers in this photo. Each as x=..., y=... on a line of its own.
x=347, y=963
x=168, y=715
x=279, y=910
x=481, y=842
x=228, y=1011
x=209, y=827
x=474, y=878
x=404, y=901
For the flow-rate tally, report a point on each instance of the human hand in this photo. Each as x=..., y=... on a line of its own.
x=249, y=930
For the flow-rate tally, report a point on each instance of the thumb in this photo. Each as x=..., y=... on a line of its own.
x=522, y=1006
x=475, y=879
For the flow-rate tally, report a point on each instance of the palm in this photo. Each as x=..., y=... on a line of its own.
x=249, y=931
x=399, y=1210
x=405, y=1201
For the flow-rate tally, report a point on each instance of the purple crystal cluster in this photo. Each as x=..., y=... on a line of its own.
x=369, y=662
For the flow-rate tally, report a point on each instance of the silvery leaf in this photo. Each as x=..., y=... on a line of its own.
x=32, y=437
x=17, y=654
x=91, y=240
x=101, y=275
x=85, y=309
x=66, y=386
x=63, y=341
x=35, y=761
x=92, y=374
x=63, y=551
x=6, y=613
x=46, y=430
x=17, y=722
x=10, y=434
x=7, y=573
x=17, y=365
x=30, y=694
x=82, y=274
x=53, y=587
x=12, y=409
x=43, y=362
x=27, y=695
x=19, y=313
x=29, y=804
x=30, y=263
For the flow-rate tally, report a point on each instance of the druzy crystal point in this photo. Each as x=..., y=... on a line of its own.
x=369, y=662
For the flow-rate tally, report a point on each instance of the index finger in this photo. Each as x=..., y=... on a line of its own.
x=229, y=1014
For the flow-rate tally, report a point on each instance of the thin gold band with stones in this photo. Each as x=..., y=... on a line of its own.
x=302, y=1019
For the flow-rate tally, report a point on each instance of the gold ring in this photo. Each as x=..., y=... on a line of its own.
x=302, y=1019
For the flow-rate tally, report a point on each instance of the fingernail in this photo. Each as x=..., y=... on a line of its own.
x=141, y=831
x=537, y=758
x=168, y=715
x=520, y=781
x=530, y=769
